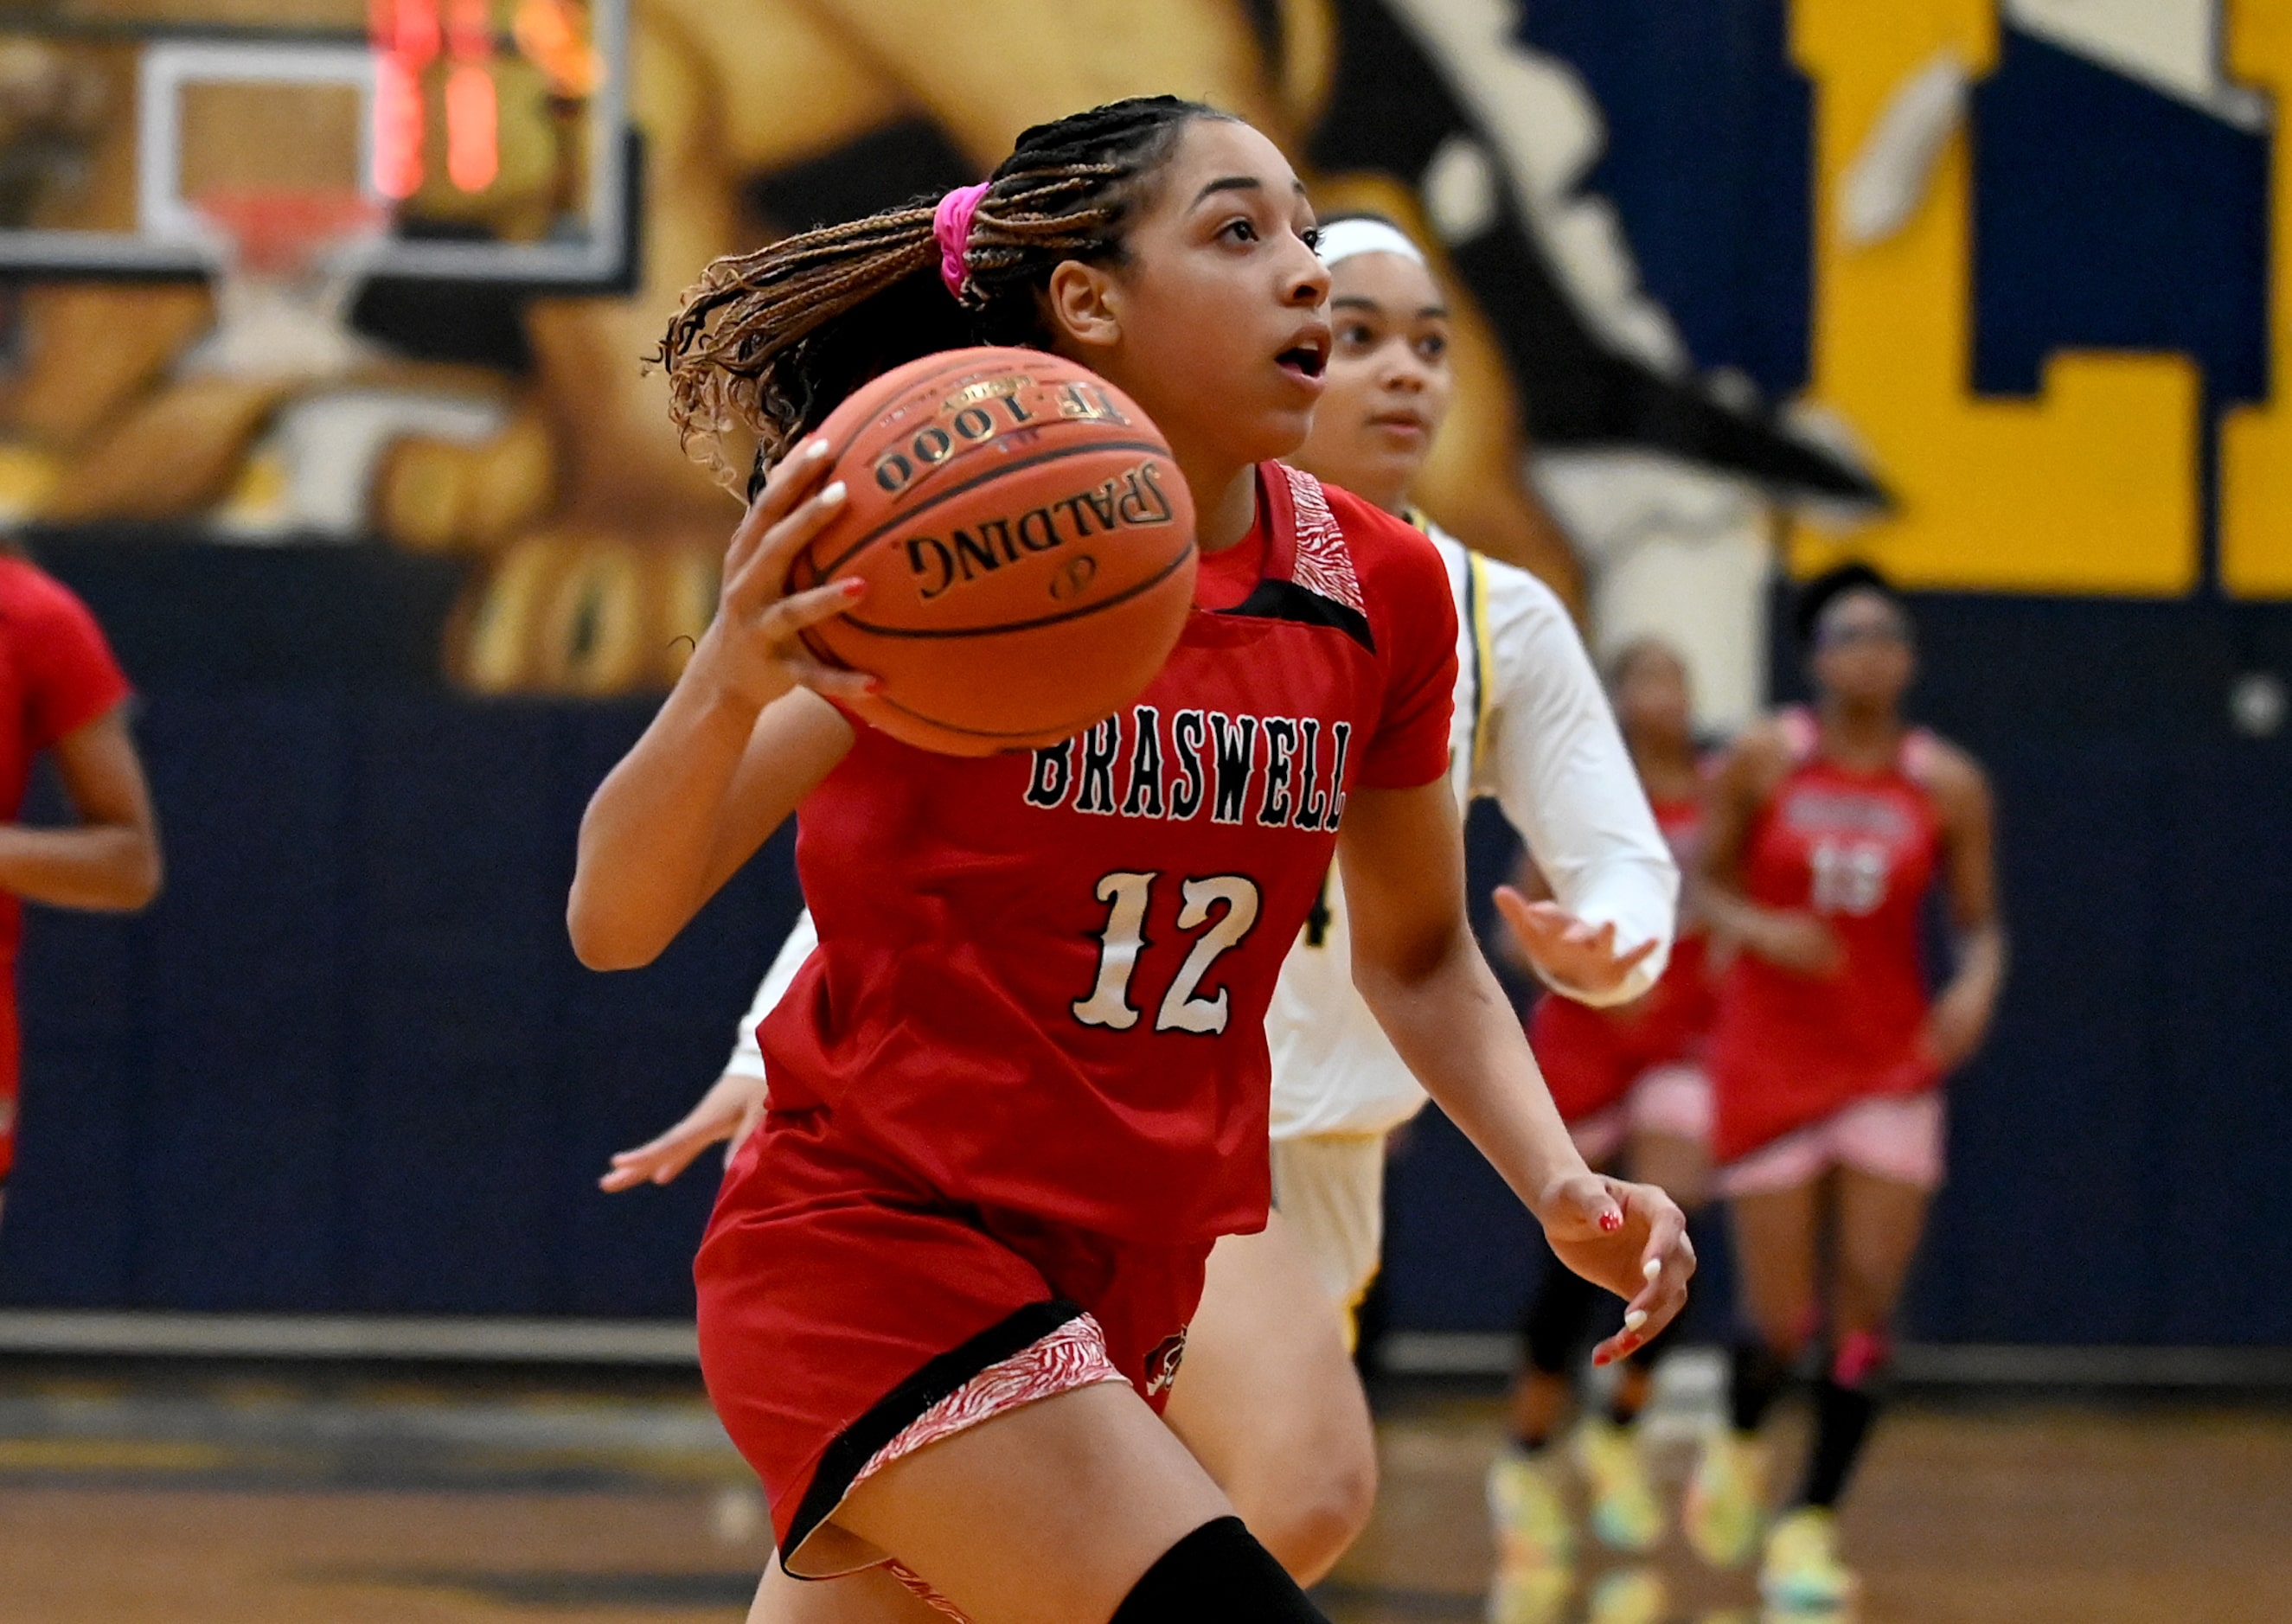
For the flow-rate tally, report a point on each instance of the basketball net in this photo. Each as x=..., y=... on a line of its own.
x=288, y=264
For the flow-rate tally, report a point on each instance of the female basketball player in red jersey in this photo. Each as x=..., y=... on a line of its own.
x=1020, y=1088
x=1271, y=1402
x=1827, y=829
x=1630, y=1083
x=61, y=692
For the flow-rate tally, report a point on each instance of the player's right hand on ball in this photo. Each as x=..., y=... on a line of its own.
x=730, y=1111
x=751, y=651
x=1631, y=1238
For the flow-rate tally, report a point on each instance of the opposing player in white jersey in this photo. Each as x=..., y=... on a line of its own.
x=1270, y=1401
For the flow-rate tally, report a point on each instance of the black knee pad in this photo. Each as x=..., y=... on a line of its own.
x=1217, y=1574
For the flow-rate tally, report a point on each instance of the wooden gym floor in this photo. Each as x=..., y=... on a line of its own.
x=222, y=1501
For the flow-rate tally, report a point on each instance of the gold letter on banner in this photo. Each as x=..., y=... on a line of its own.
x=2091, y=487
x=2256, y=509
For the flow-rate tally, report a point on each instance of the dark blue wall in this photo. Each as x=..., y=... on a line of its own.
x=348, y=1063
x=1709, y=138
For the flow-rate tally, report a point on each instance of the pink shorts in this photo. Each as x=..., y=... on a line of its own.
x=1895, y=1136
x=1669, y=1099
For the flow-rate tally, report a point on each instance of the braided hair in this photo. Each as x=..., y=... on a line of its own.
x=773, y=339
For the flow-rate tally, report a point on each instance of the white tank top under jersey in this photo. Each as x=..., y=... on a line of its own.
x=1533, y=728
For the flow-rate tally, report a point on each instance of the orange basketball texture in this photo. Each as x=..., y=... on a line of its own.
x=1026, y=542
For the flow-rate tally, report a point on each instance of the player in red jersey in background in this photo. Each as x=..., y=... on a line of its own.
x=62, y=693
x=1630, y=1083
x=1022, y=1086
x=1829, y=828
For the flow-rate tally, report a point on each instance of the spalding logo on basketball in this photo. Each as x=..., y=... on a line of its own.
x=1026, y=542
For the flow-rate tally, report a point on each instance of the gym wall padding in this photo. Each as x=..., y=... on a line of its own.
x=348, y=1063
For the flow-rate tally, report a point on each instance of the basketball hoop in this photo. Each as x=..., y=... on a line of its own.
x=288, y=263
x=280, y=231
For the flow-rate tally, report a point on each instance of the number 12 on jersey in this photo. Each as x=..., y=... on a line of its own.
x=1184, y=1008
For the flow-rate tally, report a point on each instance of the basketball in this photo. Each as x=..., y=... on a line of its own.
x=1026, y=542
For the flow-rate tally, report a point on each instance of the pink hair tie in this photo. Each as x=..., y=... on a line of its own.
x=951, y=225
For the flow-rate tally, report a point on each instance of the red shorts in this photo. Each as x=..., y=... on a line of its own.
x=850, y=1314
x=1591, y=1059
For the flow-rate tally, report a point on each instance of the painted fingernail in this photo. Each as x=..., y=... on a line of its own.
x=833, y=494
x=853, y=585
x=1636, y=1318
x=1611, y=1220
x=817, y=448
x=1652, y=1268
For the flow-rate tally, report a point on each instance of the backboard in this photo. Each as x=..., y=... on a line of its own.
x=492, y=134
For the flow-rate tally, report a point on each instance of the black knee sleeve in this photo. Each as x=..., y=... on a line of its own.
x=1846, y=1404
x=1217, y=1574
x=1559, y=1318
x=1755, y=1378
x=1842, y=1418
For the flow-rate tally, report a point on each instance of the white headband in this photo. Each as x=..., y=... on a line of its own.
x=1341, y=239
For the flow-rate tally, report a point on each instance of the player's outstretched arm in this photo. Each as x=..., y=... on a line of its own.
x=742, y=738
x=1558, y=766
x=110, y=859
x=1416, y=962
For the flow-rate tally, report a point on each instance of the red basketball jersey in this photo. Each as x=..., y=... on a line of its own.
x=1592, y=1057
x=1043, y=977
x=1861, y=850
x=56, y=676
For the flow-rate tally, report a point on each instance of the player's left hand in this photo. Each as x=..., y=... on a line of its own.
x=730, y=1111
x=1631, y=1238
x=1572, y=953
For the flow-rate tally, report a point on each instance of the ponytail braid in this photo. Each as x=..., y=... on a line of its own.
x=771, y=341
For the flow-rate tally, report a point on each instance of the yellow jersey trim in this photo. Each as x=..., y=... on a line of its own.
x=1476, y=600
x=1476, y=628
